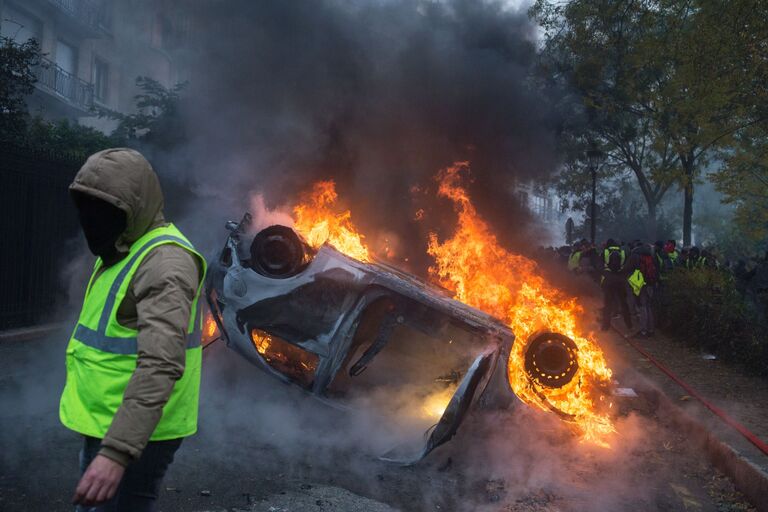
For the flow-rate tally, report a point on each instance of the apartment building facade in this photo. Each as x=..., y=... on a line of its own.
x=94, y=50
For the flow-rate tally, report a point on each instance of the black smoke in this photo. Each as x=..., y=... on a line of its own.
x=378, y=95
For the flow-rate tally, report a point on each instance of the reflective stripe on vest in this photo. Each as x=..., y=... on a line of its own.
x=102, y=354
x=125, y=346
x=99, y=340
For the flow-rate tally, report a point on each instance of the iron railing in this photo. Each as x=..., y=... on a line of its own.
x=53, y=79
x=87, y=12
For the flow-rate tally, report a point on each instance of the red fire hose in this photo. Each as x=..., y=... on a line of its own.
x=749, y=436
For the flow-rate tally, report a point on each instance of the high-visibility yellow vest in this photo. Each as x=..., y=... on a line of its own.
x=574, y=260
x=636, y=281
x=101, y=355
x=695, y=263
x=607, y=254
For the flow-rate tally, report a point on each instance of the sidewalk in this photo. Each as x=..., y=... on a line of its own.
x=743, y=397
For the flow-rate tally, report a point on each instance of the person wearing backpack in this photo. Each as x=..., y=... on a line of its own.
x=642, y=278
x=612, y=247
x=614, y=284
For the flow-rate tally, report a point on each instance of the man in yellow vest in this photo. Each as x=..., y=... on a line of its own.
x=133, y=361
x=574, y=260
x=611, y=247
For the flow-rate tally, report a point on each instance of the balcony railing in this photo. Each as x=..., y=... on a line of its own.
x=51, y=78
x=86, y=12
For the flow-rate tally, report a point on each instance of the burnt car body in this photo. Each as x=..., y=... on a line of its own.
x=332, y=325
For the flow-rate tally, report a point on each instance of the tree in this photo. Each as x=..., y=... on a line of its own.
x=712, y=54
x=743, y=178
x=744, y=182
x=591, y=47
x=64, y=136
x=17, y=80
x=157, y=121
x=664, y=83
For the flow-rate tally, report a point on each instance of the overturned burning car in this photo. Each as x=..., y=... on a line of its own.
x=338, y=327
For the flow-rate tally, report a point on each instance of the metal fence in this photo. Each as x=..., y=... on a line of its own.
x=36, y=222
x=53, y=79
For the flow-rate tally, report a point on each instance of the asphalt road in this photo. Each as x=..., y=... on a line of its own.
x=264, y=446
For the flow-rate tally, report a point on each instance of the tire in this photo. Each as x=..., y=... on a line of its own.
x=278, y=252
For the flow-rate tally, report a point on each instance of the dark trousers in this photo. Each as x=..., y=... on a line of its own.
x=644, y=307
x=615, y=299
x=140, y=486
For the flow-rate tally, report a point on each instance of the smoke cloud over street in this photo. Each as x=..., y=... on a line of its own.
x=376, y=95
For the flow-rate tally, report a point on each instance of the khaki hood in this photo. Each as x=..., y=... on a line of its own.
x=125, y=179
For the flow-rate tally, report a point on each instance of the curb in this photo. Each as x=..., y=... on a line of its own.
x=749, y=479
x=27, y=333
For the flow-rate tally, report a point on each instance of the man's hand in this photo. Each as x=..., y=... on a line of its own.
x=99, y=483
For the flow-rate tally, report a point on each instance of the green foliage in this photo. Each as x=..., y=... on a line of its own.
x=592, y=47
x=17, y=80
x=63, y=136
x=157, y=121
x=744, y=182
x=703, y=307
x=663, y=83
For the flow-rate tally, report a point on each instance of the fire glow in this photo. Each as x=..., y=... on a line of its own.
x=285, y=357
x=317, y=222
x=481, y=273
x=210, y=329
x=508, y=286
x=434, y=405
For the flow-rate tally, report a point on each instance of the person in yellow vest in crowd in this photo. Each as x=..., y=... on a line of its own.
x=664, y=264
x=610, y=247
x=614, y=284
x=695, y=259
x=574, y=260
x=133, y=361
x=643, y=276
x=670, y=249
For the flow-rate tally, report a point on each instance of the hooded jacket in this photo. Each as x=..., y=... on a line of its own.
x=159, y=298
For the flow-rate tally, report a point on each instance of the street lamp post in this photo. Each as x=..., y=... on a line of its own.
x=594, y=158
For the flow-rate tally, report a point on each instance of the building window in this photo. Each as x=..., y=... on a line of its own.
x=100, y=79
x=66, y=57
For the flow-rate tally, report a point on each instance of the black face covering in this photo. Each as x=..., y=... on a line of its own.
x=102, y=224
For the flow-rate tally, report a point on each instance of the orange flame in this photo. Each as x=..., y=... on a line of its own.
x=474, y=265
x=210, y=329
x=319, y=224
x=481, y=273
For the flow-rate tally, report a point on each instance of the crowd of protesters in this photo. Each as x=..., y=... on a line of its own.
x=719, y=306
x=632, y=275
